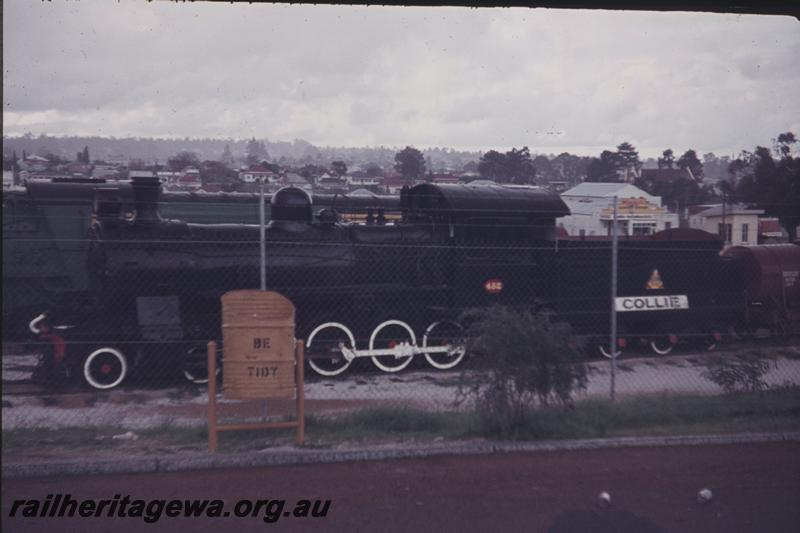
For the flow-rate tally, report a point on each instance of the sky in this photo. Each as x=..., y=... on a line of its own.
x=466, y=78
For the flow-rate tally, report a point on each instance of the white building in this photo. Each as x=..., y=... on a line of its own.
x=363, y=181
x=736, y=224
x=257, y=176
x=592, y=213
x=168, y=178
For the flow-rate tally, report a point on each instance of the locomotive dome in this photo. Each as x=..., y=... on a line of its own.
x=291, y=204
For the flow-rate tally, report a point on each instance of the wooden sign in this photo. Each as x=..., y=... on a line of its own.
x=258, y=345
x=261, y=358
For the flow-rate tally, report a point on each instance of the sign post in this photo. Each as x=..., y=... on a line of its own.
x=261, y=358
x=614, y=266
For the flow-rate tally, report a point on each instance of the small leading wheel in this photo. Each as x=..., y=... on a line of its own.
x=710, y=341
x=664, y=344
x=324, y=348
x=395, y=335
x=448, y=334
x=105, y=368
x=195, y=365
x=603, y=350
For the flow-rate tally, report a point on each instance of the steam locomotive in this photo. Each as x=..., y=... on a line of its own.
x=45, y=238
x=390, y=291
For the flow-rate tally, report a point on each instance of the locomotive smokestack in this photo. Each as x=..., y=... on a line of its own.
x=146, y=193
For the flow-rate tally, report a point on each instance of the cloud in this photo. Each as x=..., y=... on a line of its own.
x=435, y=76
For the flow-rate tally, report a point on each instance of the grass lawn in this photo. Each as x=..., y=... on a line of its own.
x=774, y=410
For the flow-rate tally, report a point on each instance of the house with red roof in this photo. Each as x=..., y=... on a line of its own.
x=189, y=180
x=770, y=231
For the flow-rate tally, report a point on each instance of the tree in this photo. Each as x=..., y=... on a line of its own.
x=217, y=171
x=784, y=143
x=373, y=170
x=311, y=171
x=55, y=159
x=667, y=159
x=410, y=163
x=256, y=151
x=515, y=166
x=470, y=166
x=773, y=186
x=339, y=168
x=519, y=166
x=227, y=157
x=492, y=166
x=628, y=161
x=604, y=168
x=628, y=157
x=182, y=160
x=681, y=192
x=544, y=169
x=8, y=162
x=83, y=155
x=571, y=168
x=690, y=161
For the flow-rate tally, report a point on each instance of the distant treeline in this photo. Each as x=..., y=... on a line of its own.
x=297, y=152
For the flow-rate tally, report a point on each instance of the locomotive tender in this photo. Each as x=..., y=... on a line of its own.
x=385, y=291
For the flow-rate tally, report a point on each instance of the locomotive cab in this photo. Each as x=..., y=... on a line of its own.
x=499, y=239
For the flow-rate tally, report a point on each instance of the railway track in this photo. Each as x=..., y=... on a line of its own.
x=27, y=388
x=18, y=369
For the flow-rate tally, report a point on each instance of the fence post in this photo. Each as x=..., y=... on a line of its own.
x=300, y=400
x=613, y=340
x=263, y=247
x=212, y=396
x=263, y=222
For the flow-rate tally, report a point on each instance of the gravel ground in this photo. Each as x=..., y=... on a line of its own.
x=137, y=409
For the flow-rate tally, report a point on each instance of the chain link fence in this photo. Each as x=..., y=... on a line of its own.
x=380, y=305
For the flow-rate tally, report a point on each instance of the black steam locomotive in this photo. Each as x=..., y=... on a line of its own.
x=45, y=238
x=387, y=291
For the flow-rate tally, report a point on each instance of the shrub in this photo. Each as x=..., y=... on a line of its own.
x=521, y=359
x=740, y=373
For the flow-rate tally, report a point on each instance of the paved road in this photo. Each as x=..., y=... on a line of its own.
x=756, y=488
